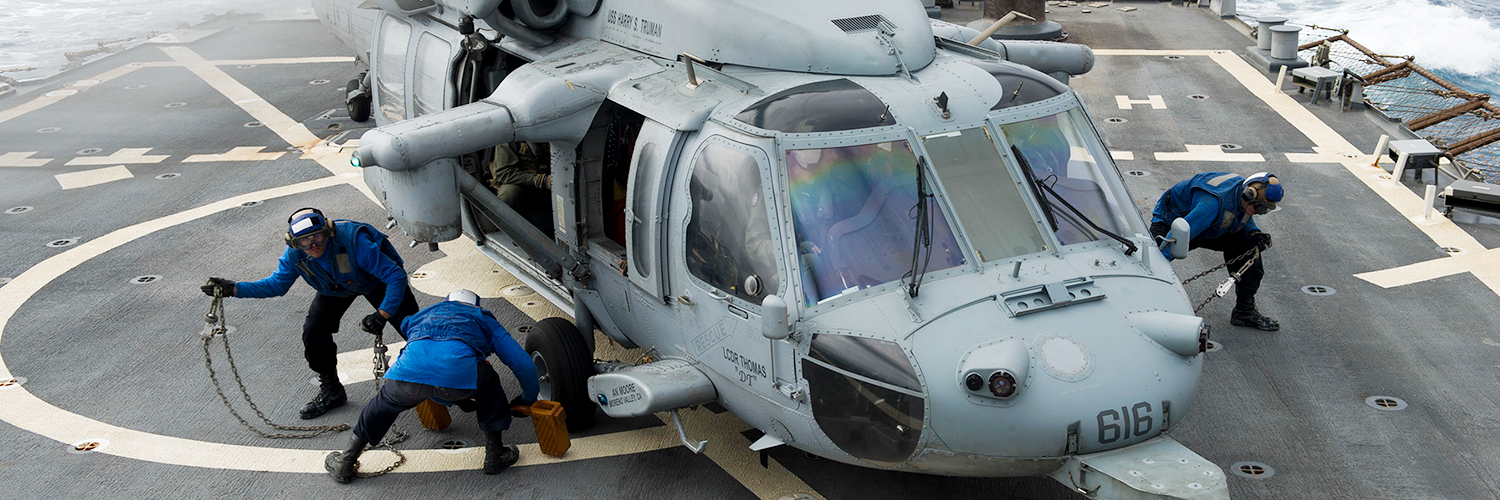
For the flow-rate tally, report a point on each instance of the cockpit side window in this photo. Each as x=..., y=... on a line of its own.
x=430, y=85
x=729, y=234
x=819, y=107
x=854, y=209
x=1058, y=156
x=1019, y=86
x=390, y=63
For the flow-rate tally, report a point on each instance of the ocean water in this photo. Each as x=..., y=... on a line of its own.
x=37, y=33
x=1457, y=39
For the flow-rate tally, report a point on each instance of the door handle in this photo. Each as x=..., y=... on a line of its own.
x=684, y=300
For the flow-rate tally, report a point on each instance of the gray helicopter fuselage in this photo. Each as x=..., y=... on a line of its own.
x=928, y=212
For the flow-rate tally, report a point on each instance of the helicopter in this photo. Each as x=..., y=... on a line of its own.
x=879, y=238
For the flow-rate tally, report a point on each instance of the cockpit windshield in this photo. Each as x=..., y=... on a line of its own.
x=1054, y=149
x=985, y=196
x=854, y=210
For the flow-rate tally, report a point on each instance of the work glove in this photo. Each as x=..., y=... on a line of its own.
x=226, y=285
x=519, y=408
x=543, y=181
x=373, y=324
x=1262, y=241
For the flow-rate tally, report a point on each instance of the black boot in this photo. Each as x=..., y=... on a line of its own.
x=498, y=456
x=341, y=465
x=330, y=395
x=1246, y=315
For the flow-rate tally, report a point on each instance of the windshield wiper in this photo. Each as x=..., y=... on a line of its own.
x=922, y=240
x=1130, y=247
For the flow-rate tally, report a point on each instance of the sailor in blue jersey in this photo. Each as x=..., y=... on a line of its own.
x=1220, y=207
x=444, y=360
x=342, y=260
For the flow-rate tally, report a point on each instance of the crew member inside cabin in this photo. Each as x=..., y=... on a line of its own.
x=1220, y=207
x=522, y=177
x=445, y=360
x=342, y=260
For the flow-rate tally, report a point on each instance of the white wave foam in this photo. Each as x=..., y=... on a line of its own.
x=1441, y=37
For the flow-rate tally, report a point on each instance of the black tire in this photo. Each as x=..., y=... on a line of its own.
x=565, y=364
x=359, y=107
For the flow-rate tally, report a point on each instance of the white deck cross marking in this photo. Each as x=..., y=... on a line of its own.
x=86, y=178
x=1125, y=102
x=1122, y=155
x=124, y=155
x=20, y=159
x=244, y=153
x=1209, y=152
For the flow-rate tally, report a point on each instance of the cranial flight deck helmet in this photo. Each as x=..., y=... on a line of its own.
x=306, y=222
x=1263, y=190
x=465, y=296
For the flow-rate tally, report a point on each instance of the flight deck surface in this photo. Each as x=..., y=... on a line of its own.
x=150, y=170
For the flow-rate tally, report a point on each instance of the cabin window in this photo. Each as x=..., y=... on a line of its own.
x=729, y=233
x=1020, y=86
x=873, y=422
x=430, y=83
x=390, y=66
x=985, y=197
x=819, y=107
x=854, y=213
x=1058, y=156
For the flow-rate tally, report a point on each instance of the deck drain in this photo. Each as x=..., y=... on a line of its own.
x=4, y=281
x=1213, y=347
x=251, y=203
x=1173, y=58
x=1230, y=147
x=168, y=175
x=518, y=290
x=1252, y=470
x=252, y=124
x=531, y=303
x=1197, y=97
x=1318, y=290
x=1384, y=177
x=62, y=242
x=419, y=275
x=319, y=81
x=12, y=383
x=524, y=328
x=134, y=87
x=1115, y=120
x=1451, y=250
x=1386, y=403
x=149, y=278
x=175, y=105
x=87, y=446
x=245, y=66
x=494, y=271
x=333, y=126
x=90, y=151
x=18, y=210
x=48, y=130
x=1137, y=173
x=453, y=445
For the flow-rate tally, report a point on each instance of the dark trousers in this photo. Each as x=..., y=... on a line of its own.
x=397, y=396
x=323, y=318
x=1231, y=245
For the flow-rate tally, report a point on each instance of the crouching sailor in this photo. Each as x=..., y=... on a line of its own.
x=444, y=360
x=342, y=260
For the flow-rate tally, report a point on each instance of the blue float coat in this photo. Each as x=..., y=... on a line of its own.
x=1210, y=202
x=445, y=342
x=374, y=263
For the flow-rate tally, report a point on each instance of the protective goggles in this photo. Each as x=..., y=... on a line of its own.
x=307, y=241
x=1263, y=207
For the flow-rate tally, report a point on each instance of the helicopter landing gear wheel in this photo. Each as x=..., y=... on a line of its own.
x=359, y=104
x=563, y=365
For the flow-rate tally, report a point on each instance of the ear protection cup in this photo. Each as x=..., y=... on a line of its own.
x=1259, y=185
